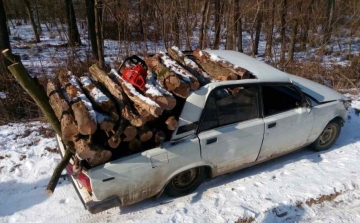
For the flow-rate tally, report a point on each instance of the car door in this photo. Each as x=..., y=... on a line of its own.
x=231, y=129
x=288, y=123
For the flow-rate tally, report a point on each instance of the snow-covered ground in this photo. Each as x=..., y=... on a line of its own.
x=301, y=187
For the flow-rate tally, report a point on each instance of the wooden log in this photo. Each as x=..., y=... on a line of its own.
x=165, y=77
x=183, y=90
x=84, y=113
x=215, y=65
x=189, y=64
x=171, y=123
x=185, y=75
x=63, y=112
x=106, y=123
x=57, y=172
x=122, y=100
x=134, y=145
x=98, y=98
x=151, y=84
x=100, y=157
x=76, y=166
x=84, y=149
x=124, y=133
x=140, y=100
x=145, y=134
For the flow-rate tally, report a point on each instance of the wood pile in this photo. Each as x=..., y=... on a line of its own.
x=107, y=117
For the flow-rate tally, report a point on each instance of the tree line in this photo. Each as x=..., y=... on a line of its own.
x=293, y=25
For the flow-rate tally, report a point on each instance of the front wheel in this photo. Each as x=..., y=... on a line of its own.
x=185, y=182
x=328, y=137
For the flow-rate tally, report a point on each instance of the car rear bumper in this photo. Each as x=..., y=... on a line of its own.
x=92, y=206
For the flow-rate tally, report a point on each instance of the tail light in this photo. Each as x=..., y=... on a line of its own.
x=82, y=178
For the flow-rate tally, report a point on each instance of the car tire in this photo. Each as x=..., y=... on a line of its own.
x=185, y=182
x=327, y=137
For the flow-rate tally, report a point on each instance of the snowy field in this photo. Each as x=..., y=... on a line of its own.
x=301, y=187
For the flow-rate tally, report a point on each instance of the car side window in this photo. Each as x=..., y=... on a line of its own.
x=230, y=105
x=277, y=99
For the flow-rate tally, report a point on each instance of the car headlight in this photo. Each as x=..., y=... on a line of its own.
x=347, y=104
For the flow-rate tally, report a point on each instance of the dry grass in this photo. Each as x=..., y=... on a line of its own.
x=245, y=220
x=323, y=198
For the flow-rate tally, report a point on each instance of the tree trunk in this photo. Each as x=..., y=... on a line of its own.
x=239, y=27
x=231, y=27
x=329, y=22
x=74, y=37
x=294, y=31
x=99, y=33
x=32, y=20
x=4, y=35
x=269, y=24
x=203, y=25
x=258, y=21
x=305, y=29
x=217, y=23
x=283, y=29
x=90, y=15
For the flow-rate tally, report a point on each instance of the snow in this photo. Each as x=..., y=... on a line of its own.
x=99, y=97
x=2, y=95
x=154, y=82
x=175, y=67
x=275, y=191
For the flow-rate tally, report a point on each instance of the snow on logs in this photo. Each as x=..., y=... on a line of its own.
x=106, y=116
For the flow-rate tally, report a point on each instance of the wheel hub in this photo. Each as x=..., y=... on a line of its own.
x=185, y=179
x=327, y=135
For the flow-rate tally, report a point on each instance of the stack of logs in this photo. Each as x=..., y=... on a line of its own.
x=106, y=117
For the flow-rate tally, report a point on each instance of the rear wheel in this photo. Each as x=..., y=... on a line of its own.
x=185, y=182
x=328, y=137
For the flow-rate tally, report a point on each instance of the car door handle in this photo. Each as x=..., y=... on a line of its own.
x=271, y=125
x=211, y=140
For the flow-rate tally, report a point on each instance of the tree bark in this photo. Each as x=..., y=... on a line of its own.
x=203, y=24
x=217, y=23
x=239, y=27
x=122, y=100
x=74, y=37
x=32, y=20
x=258, y=20
x=231, y=27
x=329, y=22
x=90, y=15
x=84, y=114
x=305, y=30
x=99, y=33
x=269, y=24
x=283, y=29
x=4, y=35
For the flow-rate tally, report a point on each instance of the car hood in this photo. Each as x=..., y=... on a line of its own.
x=317, y=91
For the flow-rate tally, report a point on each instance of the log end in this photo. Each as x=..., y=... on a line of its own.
x=49, y=192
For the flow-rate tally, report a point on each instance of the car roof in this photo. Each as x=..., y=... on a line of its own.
x=262, y=71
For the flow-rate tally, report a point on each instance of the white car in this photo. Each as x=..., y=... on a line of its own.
x=218, y=132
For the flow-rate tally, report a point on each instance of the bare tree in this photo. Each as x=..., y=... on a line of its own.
x=90, y=15
x=4, y=36
x=269, y=25
x=74, y=37
x=294, y=30
x=32, y=20
x=258, y=22
x=282, y=29
x=204, y=16
x=99, y=7
x=306, y=25
x=238, y=26
x=329, y=22
x=231, y=27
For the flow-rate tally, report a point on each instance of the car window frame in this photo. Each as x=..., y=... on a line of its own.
x=259, y=101
x=303, y=98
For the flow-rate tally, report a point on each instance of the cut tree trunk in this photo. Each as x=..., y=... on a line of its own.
x=84, y=114
x=134, y=145
x=171, y=123
x=216, y=66
x=84, y=149
x=199, y=73
x=185, y=75
x=122, y=100
x=154, y=86
x=100, y=157
x=125, y=133
x=98, y=98
x=165, y=77
x=145, y=134
x=63, y=112
x=106, y=123
x=140, y=100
